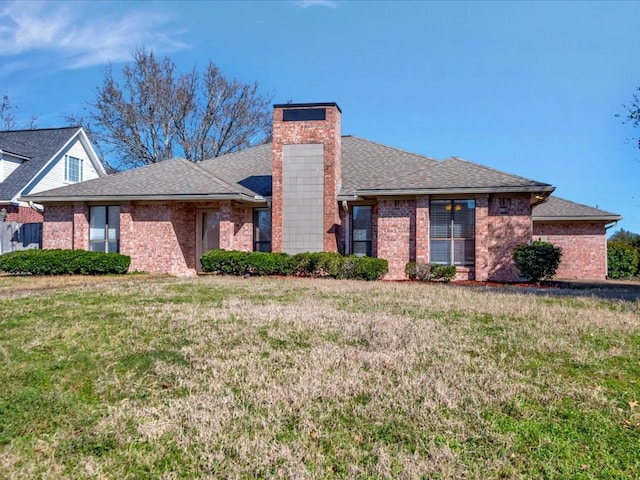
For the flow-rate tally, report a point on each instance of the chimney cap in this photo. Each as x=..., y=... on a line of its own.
x=307, y=105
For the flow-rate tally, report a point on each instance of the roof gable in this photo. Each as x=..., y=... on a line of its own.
x=39, y=147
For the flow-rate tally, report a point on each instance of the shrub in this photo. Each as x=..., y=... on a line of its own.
x=622, y=260
x=430, y=272
x=537, y=261
x=364, y=268
x=63, y=262
x=316, y=264
x=232, y=262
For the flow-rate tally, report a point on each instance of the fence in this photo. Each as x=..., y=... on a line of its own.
x=20, y=236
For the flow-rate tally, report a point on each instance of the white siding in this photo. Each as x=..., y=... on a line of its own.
x=7, y=166
x=54, y=177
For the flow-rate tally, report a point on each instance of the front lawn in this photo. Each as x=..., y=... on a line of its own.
x=223, y=377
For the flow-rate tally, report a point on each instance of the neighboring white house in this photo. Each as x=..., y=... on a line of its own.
x=32, y=161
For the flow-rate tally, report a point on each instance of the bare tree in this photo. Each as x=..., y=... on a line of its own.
x=632, y=113
x=8, y=120
x=155, y=113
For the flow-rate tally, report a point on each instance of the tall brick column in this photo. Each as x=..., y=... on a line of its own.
x=482, y=238
x=80, y=226
x=301, y=124
x=422, y=229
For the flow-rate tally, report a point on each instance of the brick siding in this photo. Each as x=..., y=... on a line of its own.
x=20, y=214
x=584, y=247
x=507, y=226
x=57, y=229
x=396, y=235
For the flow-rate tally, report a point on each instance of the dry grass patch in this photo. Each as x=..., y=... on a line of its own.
x=221, y=377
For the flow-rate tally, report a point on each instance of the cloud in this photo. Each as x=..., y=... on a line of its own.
x=316, y=3
x=80, y=38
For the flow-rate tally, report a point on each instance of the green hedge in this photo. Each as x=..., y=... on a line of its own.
x=430, y=272
x=622, y=260
x=63, y=262
x=320, y=264
x=231, y=262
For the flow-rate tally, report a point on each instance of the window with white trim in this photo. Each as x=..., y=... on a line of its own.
x=72, y=169
x=104, y=228
x=452, y=232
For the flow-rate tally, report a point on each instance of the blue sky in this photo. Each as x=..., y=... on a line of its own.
x=531, y=88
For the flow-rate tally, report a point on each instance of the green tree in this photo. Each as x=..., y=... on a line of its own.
x=617, y=255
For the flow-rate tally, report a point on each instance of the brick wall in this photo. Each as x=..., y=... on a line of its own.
x=584, y=247
x=80, y=226
x=242, y=228
x=396, y=232
x=57, y=229
x=326, y=132
x=160, y=238
x=508, y=224
x=22, y=214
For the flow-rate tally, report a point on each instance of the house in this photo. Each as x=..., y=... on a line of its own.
x=32, y=161
x=313, y=189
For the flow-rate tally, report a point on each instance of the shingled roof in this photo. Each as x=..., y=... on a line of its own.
x=177, y=178
x=556, y=209
x=368, y=168
x=37, y=147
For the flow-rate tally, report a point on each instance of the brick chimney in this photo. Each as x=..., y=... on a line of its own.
x=306, y=169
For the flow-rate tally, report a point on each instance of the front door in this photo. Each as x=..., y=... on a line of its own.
x=208, y=232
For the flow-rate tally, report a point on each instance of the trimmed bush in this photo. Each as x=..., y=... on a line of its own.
x=316, y=264
x=364, y=268
x=430, y=272
x=537, y=261
x=232, y=262
x=622, y=260
x=63, y=262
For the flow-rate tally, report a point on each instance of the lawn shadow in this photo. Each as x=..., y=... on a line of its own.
x=605, y=289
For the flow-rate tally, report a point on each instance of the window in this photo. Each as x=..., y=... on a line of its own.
x=104, y=228
x=72, y=169
x=361, y=230
x=452, y=231
x=262, y=230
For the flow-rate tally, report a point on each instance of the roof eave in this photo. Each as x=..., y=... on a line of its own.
x=126, y=198
x=575, y=218
x=459, y=190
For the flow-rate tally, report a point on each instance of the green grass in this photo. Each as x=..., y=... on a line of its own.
x=219, y=377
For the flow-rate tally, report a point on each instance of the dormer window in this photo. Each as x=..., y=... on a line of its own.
x=72, y=169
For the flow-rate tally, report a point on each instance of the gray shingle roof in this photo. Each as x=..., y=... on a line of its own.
x=456, y=174
x=39, y=146
x=556, y=208
x=366, y=165
x=176, y=177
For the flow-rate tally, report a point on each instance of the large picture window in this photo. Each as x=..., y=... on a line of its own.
x=104, y=228
x=361, y=230
x=262, y=230
x=72, y=169
x=452, y=232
